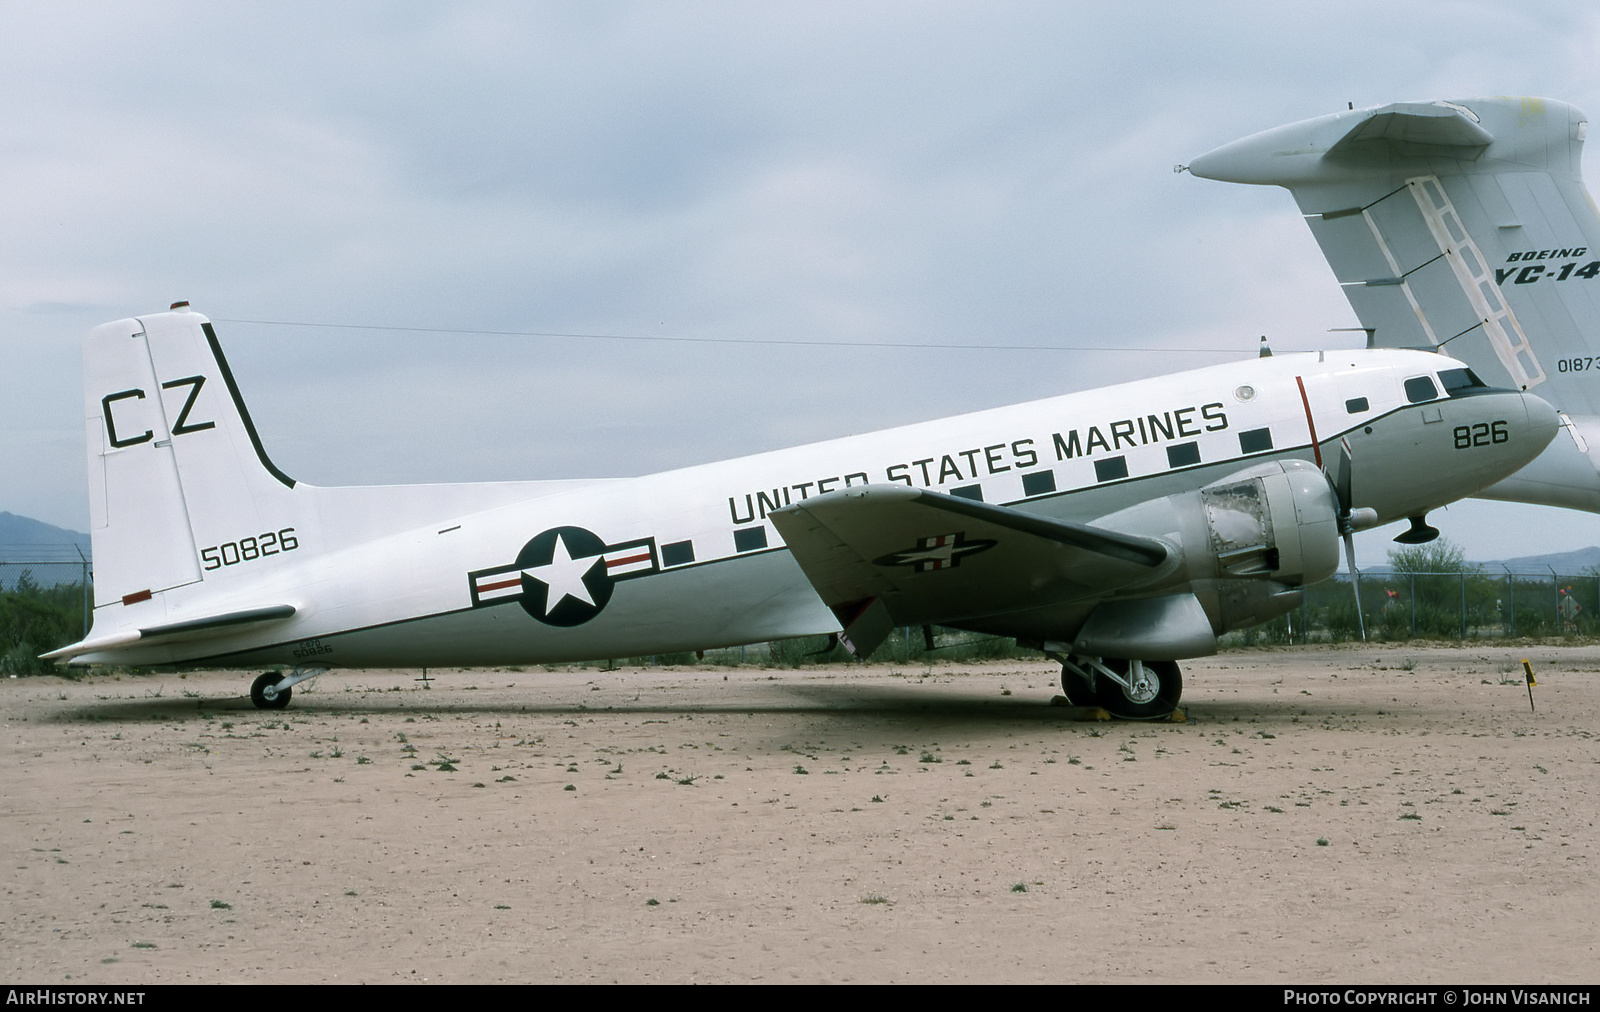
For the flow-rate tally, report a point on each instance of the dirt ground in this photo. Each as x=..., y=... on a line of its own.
x=1344, y=815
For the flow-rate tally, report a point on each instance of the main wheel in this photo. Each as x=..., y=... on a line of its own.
x=1159, y=699
x=266, y=696
x=1076, y=688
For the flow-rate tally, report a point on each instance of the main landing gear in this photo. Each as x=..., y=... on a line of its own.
x=1129, y=689
x=272, y=689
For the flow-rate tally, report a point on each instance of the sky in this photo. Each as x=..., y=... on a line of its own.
x=747, y=207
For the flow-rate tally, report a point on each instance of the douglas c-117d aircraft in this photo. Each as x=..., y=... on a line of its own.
x=1118, y=530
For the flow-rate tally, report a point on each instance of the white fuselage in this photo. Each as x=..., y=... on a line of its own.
x=436, y=575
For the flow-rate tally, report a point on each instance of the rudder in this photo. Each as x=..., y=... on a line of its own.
x=181, y=490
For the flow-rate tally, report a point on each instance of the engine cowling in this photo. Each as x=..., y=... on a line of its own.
x=1246, y=545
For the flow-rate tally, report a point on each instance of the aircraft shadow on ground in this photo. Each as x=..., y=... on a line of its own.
x=842, y=701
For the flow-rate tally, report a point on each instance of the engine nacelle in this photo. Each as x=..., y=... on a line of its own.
x=1275, y=521
x=1246, y=544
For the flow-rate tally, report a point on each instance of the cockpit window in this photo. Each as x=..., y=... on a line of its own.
x=1461, y=381
x=1421, y=388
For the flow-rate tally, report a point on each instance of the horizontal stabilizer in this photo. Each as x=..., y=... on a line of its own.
x=1411, y=126
x=890, y=556
x=199, y=628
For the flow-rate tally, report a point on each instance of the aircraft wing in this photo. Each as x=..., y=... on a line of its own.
x=888, y=556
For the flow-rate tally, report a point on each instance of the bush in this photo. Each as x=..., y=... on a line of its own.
x=35, y=620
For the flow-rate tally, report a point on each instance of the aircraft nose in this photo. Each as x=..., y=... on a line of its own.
x=1542, y=419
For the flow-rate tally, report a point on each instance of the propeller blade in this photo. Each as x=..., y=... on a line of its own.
x=1337, y=471
x=1355, y=579
x=1341, y=477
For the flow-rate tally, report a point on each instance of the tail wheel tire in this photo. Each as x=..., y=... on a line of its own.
x=1118, y=702
x=264, y=694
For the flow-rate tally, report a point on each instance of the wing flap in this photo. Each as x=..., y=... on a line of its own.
x=888, y=556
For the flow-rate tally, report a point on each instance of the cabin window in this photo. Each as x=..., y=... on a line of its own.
x=748, y=539
x=974, y=492
x=1255, y=441
x=1356, y=405
x=1038, y=483
x=1111, y=469
x=1183, y=454
x=1420, y=389
x=679, y=553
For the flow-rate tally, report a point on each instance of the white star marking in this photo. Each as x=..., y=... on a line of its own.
x=564, y=576
x=942, y=553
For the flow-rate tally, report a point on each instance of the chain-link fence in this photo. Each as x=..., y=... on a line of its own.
x=1452, y=606
x=43, y=574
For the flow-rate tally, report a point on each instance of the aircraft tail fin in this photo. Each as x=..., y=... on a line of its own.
x=180, y=489
x=1462, y=225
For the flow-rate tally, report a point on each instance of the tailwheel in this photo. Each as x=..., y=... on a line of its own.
x=1152, y=692
x=264, y=692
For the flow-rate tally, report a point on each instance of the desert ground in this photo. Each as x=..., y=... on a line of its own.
x=1358, y=814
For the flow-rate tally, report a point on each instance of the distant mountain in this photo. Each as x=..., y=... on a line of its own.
x=1564, y=563
x=26, y=540
x=1575, y=563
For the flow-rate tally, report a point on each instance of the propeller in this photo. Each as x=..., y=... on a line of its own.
x=1349, y=521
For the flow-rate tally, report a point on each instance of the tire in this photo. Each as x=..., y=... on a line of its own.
x=1114, y=699
x=1076, y=688
x=258, y=692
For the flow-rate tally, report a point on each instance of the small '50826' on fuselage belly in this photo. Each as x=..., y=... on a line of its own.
x=1130, y=523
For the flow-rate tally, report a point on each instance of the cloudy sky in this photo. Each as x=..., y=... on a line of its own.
x=779, y=222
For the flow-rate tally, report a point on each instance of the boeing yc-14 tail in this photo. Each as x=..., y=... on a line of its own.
x=1119, y=530
x=1462, y=226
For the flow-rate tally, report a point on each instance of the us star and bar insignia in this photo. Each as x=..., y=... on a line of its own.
x=942, y=551
x=563, y=576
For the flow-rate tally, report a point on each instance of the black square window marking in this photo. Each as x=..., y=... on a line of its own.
x=1038, y=482
x=1255, y=441
x=748, y=539
x=1111, y=469
x=679, y=553
x=1183, y=454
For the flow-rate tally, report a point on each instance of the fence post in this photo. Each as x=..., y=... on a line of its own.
x=1555, y=596
x=1511, y=599
x=85, y=563
x=1463, y=606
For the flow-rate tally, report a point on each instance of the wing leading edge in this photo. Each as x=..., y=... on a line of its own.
x=885, y=556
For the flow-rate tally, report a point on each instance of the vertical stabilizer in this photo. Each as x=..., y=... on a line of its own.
x=180, y=489
x=1463, y=226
